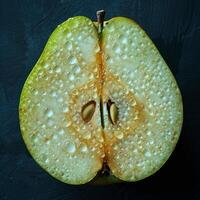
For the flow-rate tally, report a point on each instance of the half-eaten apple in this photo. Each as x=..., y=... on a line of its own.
x=100, y=103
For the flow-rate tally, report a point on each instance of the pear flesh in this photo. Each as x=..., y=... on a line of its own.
x=76, y=67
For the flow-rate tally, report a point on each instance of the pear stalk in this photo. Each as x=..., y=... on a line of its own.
x=100, y=20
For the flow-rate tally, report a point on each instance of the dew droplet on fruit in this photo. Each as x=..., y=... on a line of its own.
x=49, y=113
x=123, y=39
x=68, y=124
x=71, y=86
x=124, y=57
x=110, y=60
x=83, y=148
x=147, y=154
x=60, y=99
x=50, y=123
x=87, y=135
x=111, y=28
x=46, y=66
x=149, y=133
x=135, y=151
x=66, y=109
x=91, y=76
x=69, y=35
x=76, y=69
x=57, y=69
x=55, y=137
x=71, y=148
x=36, y=92
x=93, y=149
x=61, y=132
x=36, y=140
x=80, y=37
x=117, y=50
x=71, y=77
x=100, y=139
x=72, y=60
x=118, y=134
x=115, y=147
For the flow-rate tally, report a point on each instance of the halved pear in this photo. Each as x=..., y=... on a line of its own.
x=76, y=67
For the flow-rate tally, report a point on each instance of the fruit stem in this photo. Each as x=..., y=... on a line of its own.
x=100, y=20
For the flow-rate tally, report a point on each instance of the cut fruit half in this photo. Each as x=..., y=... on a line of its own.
x=100, y=99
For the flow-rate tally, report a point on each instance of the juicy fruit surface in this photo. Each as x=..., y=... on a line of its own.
x=64, y=78
x=150, y=106
x=77, y=67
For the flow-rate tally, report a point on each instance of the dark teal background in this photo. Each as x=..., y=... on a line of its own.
x=25, y=26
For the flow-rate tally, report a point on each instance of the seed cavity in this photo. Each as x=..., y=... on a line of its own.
x=88, y=111
x=112, y=112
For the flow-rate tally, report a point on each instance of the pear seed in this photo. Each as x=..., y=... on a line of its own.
x=88, y=111
x=113, y=112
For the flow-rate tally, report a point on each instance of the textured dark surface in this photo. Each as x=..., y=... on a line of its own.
x=25, y=26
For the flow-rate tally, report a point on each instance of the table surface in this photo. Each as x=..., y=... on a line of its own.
x=25, y=26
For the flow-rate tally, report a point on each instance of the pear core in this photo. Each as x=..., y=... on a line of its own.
x=122, y=66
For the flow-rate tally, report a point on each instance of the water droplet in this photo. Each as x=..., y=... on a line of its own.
x=54, y=94
x=124, y=57
x=61, y=132
x=50, y=123
x=71, y=87
x=72, y=60
x=69, y=35
x=101, y=139
x=135, y=150
x=169, y=133
x=47, y=142
x=118, y=134
x=43, y=126
x=124, y=39
x=71, y=148
x=151, y=142
x=91, y=76
x=36, y=92
x=80, y=37
x=117, y=50
x=55, y=137
x=111, y=29
x=49, y=113
x=69, y=46
x=57, y=69
x=65, y=109
x=83, y=148
x=93, y=149
x=130, y=165
x=60, y=99
x=46, y=66
x=76, y=69
x=149, y=133
x=71, y=77
x=103, y=155
x=68, y=124
x=87, y=135
x=147, y=154
x=110, y=60
x=36, y=140
x=115, y=147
